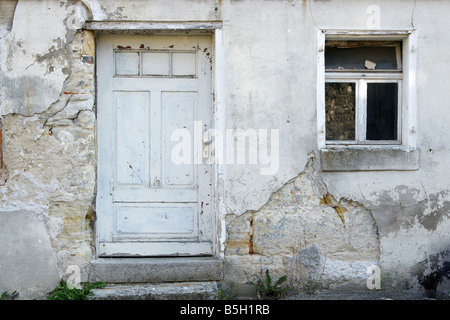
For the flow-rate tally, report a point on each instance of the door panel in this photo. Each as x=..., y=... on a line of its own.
x=154, y=100
x=132, y=137
x=178, y=113
x=157, y=219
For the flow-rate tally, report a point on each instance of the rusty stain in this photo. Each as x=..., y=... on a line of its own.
x=328, y=200
x=142, y=46
x=88, y=43
x=340, y=211
x=171, y=46
x=67, y=92
x=237, y=244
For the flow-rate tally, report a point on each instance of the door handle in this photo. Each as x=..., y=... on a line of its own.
x=206, y=143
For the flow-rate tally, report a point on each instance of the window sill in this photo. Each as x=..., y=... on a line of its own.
x=369, y=158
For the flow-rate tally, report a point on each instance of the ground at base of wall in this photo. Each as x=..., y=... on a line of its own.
x=373, y=295
x=211, y=290
x=326, y=295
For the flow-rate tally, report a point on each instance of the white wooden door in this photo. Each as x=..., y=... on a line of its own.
x=154, y=92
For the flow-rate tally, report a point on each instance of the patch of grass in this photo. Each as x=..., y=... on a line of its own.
x=6, y=296
x=63, y=292
x=266, y=290
x=224, y=295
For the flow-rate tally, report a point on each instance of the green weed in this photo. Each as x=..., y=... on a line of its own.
x=266, y=290
x=63, y=292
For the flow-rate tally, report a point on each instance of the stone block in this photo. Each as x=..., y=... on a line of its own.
x=156, y=270
x=369, y=159
x=163, y=291
x=27, y=261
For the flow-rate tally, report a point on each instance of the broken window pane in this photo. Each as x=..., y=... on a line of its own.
x=340, y=110
x=382, y=111
x=351, y=55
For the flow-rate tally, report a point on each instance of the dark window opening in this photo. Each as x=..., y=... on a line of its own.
x=352, y=55
x=382, y=114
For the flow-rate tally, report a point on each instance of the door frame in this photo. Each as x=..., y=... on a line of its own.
x=213, y=29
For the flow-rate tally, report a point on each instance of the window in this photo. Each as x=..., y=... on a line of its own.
x=367, y=100
x=363, y=83
x=155, y=63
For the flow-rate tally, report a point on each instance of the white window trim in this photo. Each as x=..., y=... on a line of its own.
x=408, y=108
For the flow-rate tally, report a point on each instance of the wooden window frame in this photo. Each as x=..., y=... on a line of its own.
x=372, y=157
x=405, y=77
x=361, y=109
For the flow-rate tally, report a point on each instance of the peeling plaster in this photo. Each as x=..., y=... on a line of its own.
x=7, y=8
x=401, y=209
x=48, y=128
x=303, y=215
x=35, y=59
x=433, y=271
x=95, y=12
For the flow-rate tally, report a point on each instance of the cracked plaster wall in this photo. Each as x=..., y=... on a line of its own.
x=303, y=232
x=321, y=229
x=48, y=126
x=410, y=208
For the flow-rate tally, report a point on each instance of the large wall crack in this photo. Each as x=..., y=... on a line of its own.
x=302, y=218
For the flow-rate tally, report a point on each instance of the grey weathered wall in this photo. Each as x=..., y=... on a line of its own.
x=48, y=128
x=411, y=207
x=322, y=229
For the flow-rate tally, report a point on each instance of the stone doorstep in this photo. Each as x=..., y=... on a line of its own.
x=156, y=270
x=162, y=291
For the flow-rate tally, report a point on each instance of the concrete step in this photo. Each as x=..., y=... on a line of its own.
x=162, y=291
x=156, y=270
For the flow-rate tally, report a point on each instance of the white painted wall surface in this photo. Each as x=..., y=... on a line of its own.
x=268, y=80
